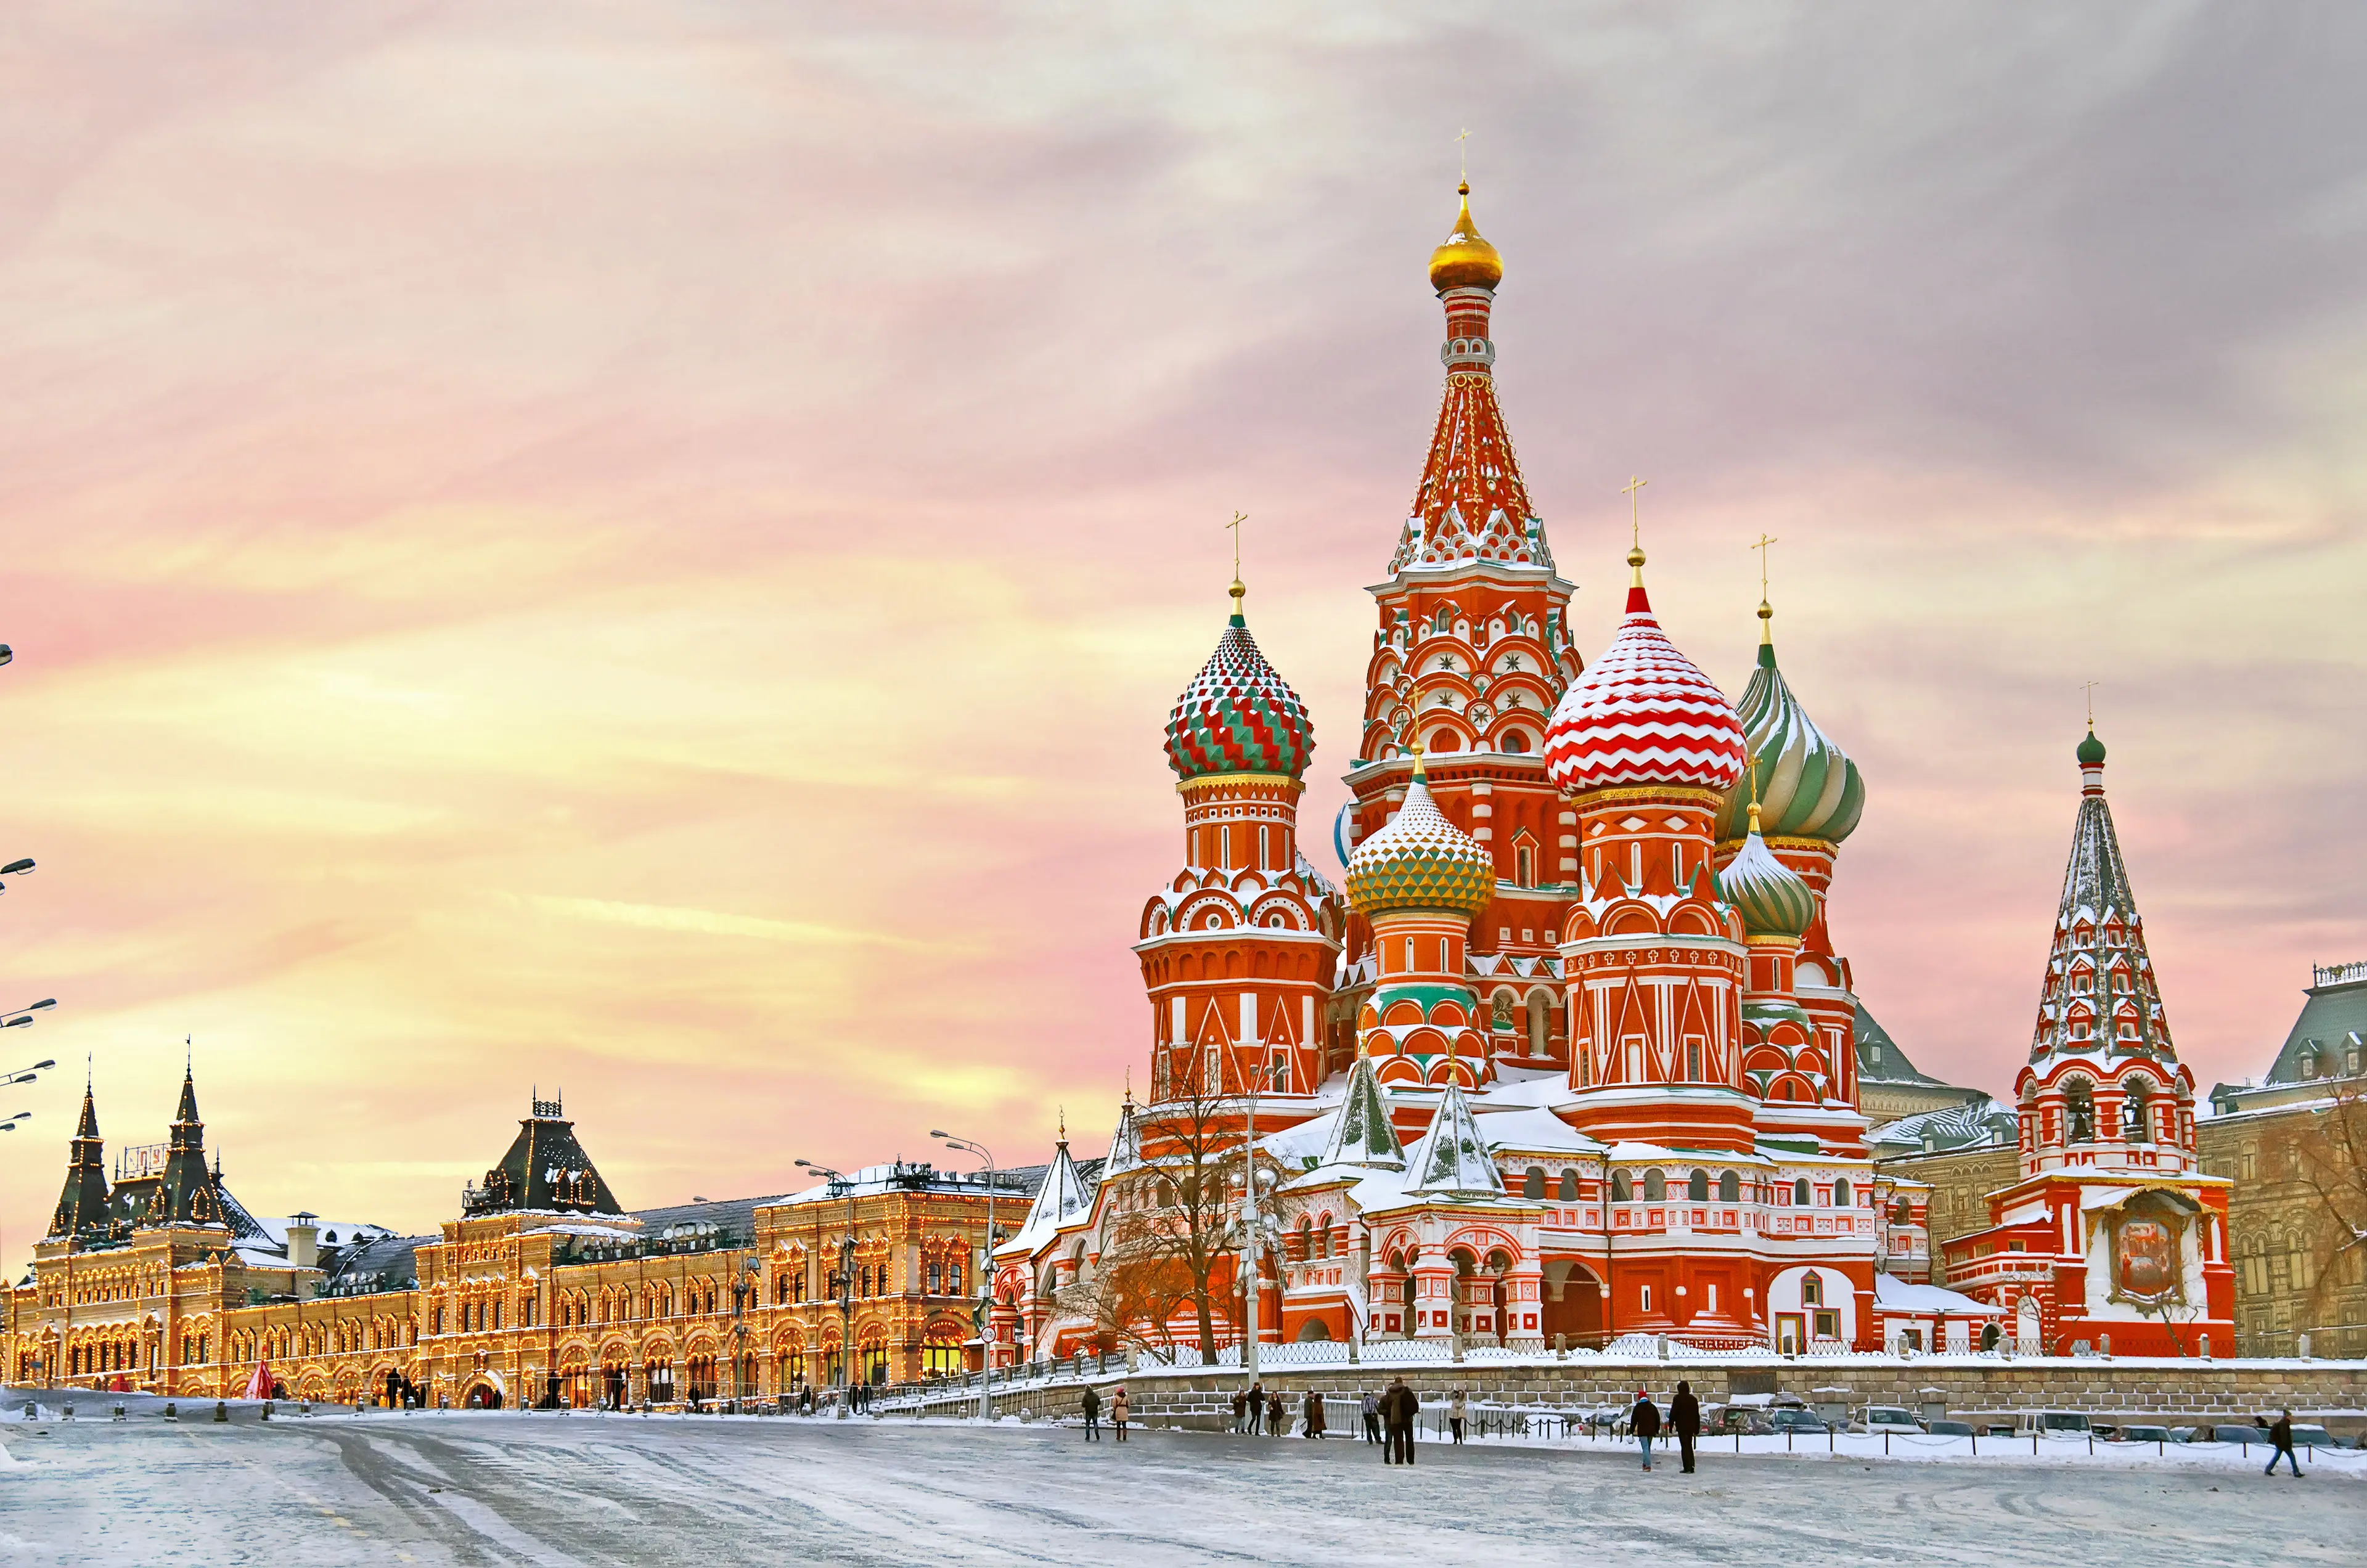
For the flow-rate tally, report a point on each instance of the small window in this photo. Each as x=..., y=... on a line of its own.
x=1812, y=1288
x=1730, y=1188
x=1697, y=1187
x=1644, y=1298
x=1841, y=1193
x=1569, y=1187
x=1517, y=744
x=1656, y=1187
x=1621, y=1190
x=1534, y=1184
x=1800, y=1192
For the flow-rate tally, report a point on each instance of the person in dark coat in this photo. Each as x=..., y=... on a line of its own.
x=1240, y=1405
x=2281, y=1441
x=1313, y=1411
x=1371, y=1412
x=1092, y=1406
x=1645, y=1422
x=1257, y=1408
x=1685, y=1415
x=1399, y=1407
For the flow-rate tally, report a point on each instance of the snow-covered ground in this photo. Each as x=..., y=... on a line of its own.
x=500, y=1487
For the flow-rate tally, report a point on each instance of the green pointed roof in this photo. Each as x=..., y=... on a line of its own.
x=1452, y=1159
x=1770, y=896
x=1364, y=1134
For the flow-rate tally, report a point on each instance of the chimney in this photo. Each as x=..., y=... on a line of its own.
x=304, y=1241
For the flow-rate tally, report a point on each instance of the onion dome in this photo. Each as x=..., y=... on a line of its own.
x=1643, y=714
x=1770, y=896
x=1238, y=715
x=2091, y=751
x=1420, y=861
x=1807, y=786
x=1466, y=260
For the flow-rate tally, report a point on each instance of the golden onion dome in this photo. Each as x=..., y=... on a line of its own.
x=1466, y=260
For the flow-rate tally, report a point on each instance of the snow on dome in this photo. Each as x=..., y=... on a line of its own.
x=1808, y=788
x=1771, y=895
x=1420, y=861
x=1643, y=714
x=1238, y=715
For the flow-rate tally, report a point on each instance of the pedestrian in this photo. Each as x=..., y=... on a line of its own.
x=1399, y=1407
x=1645, y=1422
x=1457, y=1406
x=1314, y=1409
x=1685, y=1415
x=1257, y=1408
x=1372, y=1411
x=1118, y=1412
x=2280, y=1439
x=1240, y=1404
x=1092, y=1406
x=1274, y=1404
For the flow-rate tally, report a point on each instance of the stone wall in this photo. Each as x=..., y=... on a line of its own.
x=2182, y=1392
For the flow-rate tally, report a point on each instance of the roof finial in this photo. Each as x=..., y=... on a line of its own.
x=1064, y=1125
x=189, y=1057
x=1463, y=160
x=1129, y=1085
x=2089, y=687
x=1414, y=740
x=1636, y=527
x=1766, y=611
x=1754, y=792
x=1237, y=590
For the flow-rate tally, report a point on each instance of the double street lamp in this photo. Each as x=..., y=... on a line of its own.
x=985, y=1272
x=842, y=1282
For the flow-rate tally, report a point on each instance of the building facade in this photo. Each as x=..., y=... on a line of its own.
x=544, y=1290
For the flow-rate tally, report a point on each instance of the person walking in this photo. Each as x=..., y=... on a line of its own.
x=1274, y=1416
x=1457, y=1406
x=1117, y=1413
x=1645, y=1422
x=1399, y=1407
x=1684, y=1415
x=1372, y=1412
x=1257, y=1408
x=2280, y=1443
x=1240, y=1404
x=1092, y=1406
x=1314, y=1412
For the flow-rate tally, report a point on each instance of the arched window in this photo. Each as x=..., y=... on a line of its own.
x=1697, y=1187
x=1516, y=744
x=1445, y=621
x=1730, y=1188
x=1323, y=1237
x=1534, y=1184
x=1841, y=1193
x=1569, y=1187
x=1443, y=740
x=1306, y=1236
x=2079, y=1114
x=2137, y=1115
x=1812, y=1288
x=1621, y=1190
x=1800, y=1192
x=1656, y=1187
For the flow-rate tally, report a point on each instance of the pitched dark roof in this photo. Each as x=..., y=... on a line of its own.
x=382, y=1263
x=2332, y=1018
x=83, y=1205
x=1879, y=1059
x=546, y=1170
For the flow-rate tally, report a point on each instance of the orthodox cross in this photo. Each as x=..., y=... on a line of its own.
x=2089, y=687
x=1761, y=545
x=1239, y=518
x=1463, y=155
x=1635, y=509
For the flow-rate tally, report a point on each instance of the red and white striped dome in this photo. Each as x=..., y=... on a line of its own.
x=1643, y=714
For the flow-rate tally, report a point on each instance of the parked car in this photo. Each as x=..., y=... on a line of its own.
x=2190, y=1434
x=2134, y=1434
x=2230, y=1432
x=1889, y=1419
x=1795, y=1420
x=2314, y=1437
x=2054, y=1422
x=1951, y=1429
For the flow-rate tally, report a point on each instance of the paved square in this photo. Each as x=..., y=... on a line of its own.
x=502, y=1488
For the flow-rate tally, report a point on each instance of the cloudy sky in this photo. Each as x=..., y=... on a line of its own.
x=643, y=549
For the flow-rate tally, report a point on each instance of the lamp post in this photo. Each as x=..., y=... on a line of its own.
x=985, y=1273
x=744, y=1287
x=842, y=1283
x=1250, y=1226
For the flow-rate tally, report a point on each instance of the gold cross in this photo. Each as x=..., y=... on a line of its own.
x=1239, y=518
x=2089, y=687
x=1635, y=506
x=1760, y=547
x=1463, y=154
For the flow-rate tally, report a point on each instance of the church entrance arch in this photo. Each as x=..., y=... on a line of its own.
x=1573, y=1303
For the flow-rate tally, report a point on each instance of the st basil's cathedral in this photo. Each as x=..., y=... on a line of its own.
x=1573, y=1055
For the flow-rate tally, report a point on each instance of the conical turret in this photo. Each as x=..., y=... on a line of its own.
x=1364, y=1134
x=82, y=1206
x=2100, y=995
x=1451, y=1160
x=186, y=1195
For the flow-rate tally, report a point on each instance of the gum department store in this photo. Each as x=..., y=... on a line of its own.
x=1572, y=1056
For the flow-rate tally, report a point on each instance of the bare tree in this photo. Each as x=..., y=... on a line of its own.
x=2326, y=1151
x=1172, y=1233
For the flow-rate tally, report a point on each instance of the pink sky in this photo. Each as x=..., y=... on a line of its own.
x=644, y=548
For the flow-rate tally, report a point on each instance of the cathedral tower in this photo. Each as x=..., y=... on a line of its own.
x=1471, y=653
x=1237, y=950
x=82, y=1205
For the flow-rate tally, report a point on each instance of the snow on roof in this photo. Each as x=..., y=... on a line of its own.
x=1063, y=1198
x=1528, y=1130
x=1451, y=1157
x=1897, y=1295
x=1361, y=1132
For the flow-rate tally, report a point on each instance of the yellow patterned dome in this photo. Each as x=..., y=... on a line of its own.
x=1466, y=260
x=1420, y=861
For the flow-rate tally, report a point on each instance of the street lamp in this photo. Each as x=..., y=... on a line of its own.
x=985, y=1273
x=842, y=1283
x=744, y=1287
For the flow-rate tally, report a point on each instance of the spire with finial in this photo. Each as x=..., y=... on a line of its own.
x=1807, y=786
x=1239, y=715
